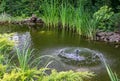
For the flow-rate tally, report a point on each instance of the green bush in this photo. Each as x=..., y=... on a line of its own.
x=40, y=75
x=103, y=18
x=67, y=76
x=5, y=43
x=115, y=21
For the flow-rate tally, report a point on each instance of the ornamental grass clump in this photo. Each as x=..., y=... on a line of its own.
x=5, y=17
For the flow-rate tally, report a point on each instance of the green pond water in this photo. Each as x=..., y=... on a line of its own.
x=50, y=41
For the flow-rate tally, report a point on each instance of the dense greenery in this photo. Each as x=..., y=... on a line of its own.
x=86, y=17
x=28, y=7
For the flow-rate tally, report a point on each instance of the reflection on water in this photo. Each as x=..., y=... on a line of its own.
x=49, y=42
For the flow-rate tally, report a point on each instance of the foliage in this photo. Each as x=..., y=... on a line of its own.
x=103, y=18
x=5, y=43
x=40, y=75
x=20, y=7
x=26, y=60
x=50, y=12
x=3, y=69
x=2, y=6
x=24, y=56
x=84, y=23
x=115, y=21
x=74, y=15
x=19, y=75
x=29, y=7
x=112, y=75
x=63, y=13
x=5, y=17
x=67, y=76
x=75, y=18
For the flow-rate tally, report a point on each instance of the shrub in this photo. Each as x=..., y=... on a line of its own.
x=5, y=43
x=115, y=21
x=40, y=75
x=67, y=76
x=103, y=18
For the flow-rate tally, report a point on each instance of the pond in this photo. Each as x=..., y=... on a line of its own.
x=48, y=41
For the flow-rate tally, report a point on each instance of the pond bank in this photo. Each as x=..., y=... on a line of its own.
x=113, y=37
x=33, y=20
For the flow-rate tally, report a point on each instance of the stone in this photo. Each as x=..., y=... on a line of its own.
x=33, y=20
x=108, y=37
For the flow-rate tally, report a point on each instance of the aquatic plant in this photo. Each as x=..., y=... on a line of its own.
x=70, y=16
x=84, y=23
x=63, y=13
x=113, y=76
x=50, y=12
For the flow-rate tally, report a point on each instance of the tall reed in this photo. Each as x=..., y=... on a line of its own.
x=27, y=61
x=50, y=12
x=112, y=75
x=84, y=23
x=63, y=13
x=69, y=16
x=24, y=57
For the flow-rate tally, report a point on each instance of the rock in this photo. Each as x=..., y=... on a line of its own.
x=33, y=20
x=108, y=37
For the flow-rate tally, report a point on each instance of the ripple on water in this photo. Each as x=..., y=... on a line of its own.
x=80, y=56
